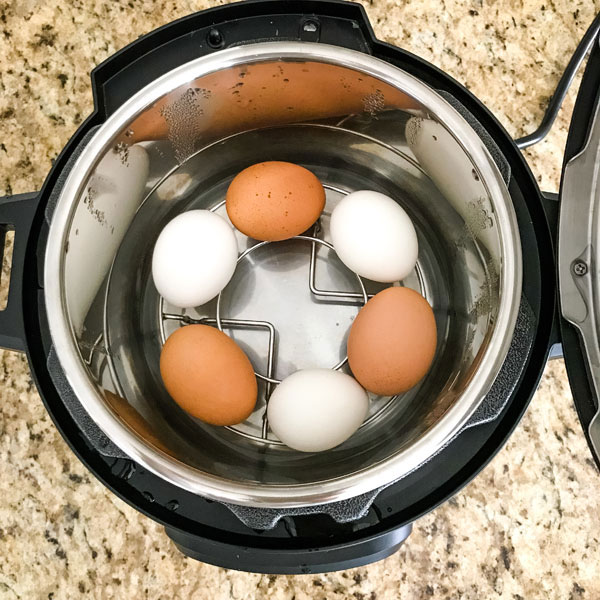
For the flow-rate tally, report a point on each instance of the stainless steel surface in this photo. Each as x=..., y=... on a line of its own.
x=579, y=255
x=177, y=145
x=314, y=242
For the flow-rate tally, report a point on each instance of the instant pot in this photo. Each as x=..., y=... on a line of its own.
x=509, y=271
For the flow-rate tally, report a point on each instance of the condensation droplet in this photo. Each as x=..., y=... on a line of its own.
x=122, y=149
x=374, y=103
x=182, y=117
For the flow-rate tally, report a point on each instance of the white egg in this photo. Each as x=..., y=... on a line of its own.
x=194, y=258
x=317, y=409
x=374, y=237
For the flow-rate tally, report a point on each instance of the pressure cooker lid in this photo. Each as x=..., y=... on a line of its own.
x=579, y=253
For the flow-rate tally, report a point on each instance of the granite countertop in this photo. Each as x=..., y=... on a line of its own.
x=527, y=527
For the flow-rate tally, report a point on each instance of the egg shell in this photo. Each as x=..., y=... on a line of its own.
x=392, y=341
x=194, y=258
x=317, y=409
x=208, y=375
x=374, y=237
x=273, y=201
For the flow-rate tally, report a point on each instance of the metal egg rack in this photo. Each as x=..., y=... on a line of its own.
x=221, y=323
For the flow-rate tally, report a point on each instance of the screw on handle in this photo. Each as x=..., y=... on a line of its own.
x=580, y=268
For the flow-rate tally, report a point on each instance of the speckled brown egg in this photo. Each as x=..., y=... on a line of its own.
x=274, y=200
x=392, y=341
x=208, y=375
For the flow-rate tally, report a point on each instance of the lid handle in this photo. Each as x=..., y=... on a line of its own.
x=579, y=258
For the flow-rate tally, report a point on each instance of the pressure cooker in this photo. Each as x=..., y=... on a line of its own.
x=509, y=271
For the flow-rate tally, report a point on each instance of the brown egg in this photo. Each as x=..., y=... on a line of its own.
x=392, y=341
x=274, y=200
x=208, y=375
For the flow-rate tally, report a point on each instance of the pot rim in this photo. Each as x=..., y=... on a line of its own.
x=320, y=492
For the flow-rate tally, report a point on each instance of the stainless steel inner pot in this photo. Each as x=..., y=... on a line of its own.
x=357, y=123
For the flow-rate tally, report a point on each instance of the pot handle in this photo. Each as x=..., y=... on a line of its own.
x=16, y=214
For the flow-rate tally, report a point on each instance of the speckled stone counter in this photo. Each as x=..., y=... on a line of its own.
x=528, y=527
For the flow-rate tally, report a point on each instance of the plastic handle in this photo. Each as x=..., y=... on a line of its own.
x=16, y=214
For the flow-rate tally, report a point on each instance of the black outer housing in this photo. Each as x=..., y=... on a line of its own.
x=582, y=387
x=17, y=213
x=207, y=530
